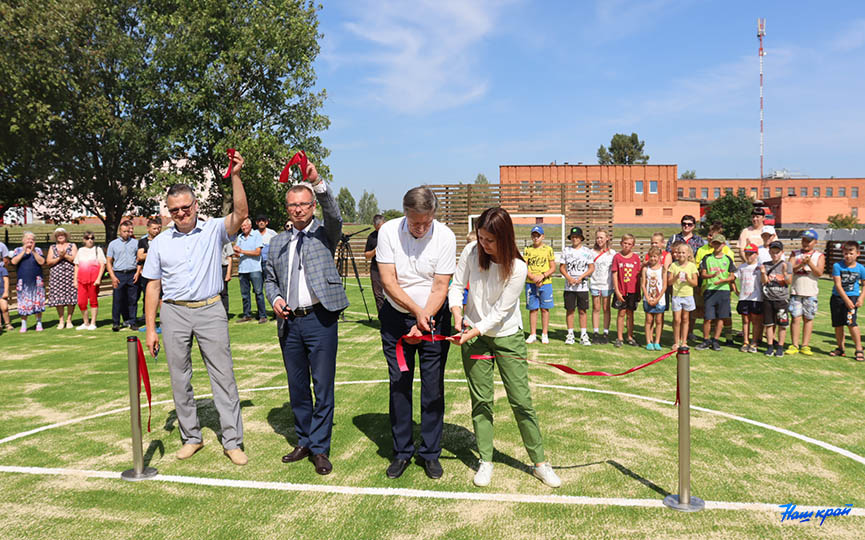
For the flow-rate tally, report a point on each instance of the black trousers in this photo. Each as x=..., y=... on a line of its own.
x=433, y=357
x=377, y=289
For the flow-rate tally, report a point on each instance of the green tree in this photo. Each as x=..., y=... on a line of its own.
x=689, y=174
x=346, y=204
x=391, y=214
x=367, y=208
x=481, y=179
x=732, y=211
x=841, y=221
x=624, y=150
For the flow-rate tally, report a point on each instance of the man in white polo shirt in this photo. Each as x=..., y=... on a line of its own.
x=416, y=257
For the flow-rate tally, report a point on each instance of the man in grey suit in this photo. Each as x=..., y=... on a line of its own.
x=304, y=287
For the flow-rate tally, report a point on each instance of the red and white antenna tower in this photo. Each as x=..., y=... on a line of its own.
x=761, y=31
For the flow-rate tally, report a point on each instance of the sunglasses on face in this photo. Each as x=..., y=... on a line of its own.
x=687, y=224
x=184, y=209
x=88, y=238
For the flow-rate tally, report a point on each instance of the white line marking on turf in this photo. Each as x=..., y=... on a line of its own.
x=405, y=492
x=783, y=431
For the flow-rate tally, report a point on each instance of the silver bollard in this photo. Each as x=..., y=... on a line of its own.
x=138, y=470
x=691, y=504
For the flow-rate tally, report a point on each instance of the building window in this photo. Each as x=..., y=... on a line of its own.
x=680, y=192
x=638, y=188
x=803, y=192
x=638, y=211
x=692, y=193
x=754, y=192
x=740, y=192
x=791, y=192
x=854, y=192
x=816, y=192
x=854, y=212
x=778, y=192
x=829, y=192
x=668, y=211
x=717, y=193
x=842, y=192
x=704, y=193
x=765, y=193
x=728, y=191
x=653, y=186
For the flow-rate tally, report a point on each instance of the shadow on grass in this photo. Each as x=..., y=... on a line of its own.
x=374, y=324
x=631, y=474
x=281, y=419
x=208, y=418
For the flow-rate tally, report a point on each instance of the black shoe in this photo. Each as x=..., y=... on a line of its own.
x=731, y=342
x=770, y=351
x=115, y=328
x=432, y=468
x=322, y=464
x=133, y=327
x=297, y=454
x=705, y=344
x=716, y=345
x=396, y=468
x=779, y=351
x=596, y=338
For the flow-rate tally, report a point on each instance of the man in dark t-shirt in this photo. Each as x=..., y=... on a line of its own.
x=369, y=253
x=154, y=227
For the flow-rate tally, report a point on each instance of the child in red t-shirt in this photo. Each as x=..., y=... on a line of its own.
x=626, y=281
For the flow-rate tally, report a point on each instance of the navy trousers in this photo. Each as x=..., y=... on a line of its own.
x=309, y=350
x=125, y=299
x=433, y=357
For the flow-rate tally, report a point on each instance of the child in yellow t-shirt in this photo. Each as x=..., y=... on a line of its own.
x=541, y=263
x=683, y=275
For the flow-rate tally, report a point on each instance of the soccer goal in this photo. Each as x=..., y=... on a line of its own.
x=554, y=229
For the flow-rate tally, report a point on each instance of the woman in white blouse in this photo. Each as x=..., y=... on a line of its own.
x=495, y=275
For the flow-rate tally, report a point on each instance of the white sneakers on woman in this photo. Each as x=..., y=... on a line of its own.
x=484, y=474
x=545, y=473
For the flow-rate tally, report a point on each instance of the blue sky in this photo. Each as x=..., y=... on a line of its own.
x=438, y=91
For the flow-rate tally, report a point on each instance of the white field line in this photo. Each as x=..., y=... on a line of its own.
x=783, y=431
x=415, y=493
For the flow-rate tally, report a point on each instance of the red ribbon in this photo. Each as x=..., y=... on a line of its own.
x=144, y=376
x=571, y=371
x=298, y=159
x=230, y=153
x=400, y=355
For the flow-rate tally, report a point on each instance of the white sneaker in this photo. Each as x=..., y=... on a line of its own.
x=532, y=338
x=570, y=340
x=83, y=327
x=545, y=473
x=92, y=327
x=585, y=340
x=484, y=474
x=544, y=339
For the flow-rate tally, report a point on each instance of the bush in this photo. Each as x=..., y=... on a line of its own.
x=734, y=213
x=840, y=221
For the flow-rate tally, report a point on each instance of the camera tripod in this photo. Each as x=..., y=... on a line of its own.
x=343, y=255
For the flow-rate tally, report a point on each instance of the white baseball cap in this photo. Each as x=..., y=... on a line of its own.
x=768, y=229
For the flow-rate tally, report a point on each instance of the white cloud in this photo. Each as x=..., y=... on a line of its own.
x=420, y=56
x=851, y=38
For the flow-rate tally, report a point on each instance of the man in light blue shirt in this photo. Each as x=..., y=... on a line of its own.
x=248, y=247
x=185, y=262
x=122, y=263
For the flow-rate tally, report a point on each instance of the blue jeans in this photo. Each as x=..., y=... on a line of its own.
x=258, y=287
x=125, y=298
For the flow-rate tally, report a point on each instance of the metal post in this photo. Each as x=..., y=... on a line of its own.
x=138, y=470
x=691, y=504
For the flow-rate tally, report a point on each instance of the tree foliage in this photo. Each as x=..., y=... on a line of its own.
x=689, y=174
x=732, y=211
x=391, y=213
x=481, y=178
x=624, y=150
x=346, y=203
x=841, y=221
x=367, y=208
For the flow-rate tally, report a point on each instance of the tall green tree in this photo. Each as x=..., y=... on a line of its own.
x=624, y=150
x=367, y=208
x=732, y=211
x=346, y=203
x=689, y=174
x=391, y=213
x=481, y=179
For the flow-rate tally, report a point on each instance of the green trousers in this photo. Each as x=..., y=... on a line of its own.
x=515, y=376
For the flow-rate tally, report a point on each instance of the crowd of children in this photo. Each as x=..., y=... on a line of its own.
x=774, y=291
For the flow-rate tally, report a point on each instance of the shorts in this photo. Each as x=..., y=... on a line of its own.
x=749, y=307
x=803, y=305
x=716, y=304
x=539, y=297
x=685, y=303
x=602, y=292
x=775, y=312
x=629, y=304
x=841, y=316
x=660, y=308
x=576, y=300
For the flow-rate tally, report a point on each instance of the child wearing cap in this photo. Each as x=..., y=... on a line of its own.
x=654, y=280
x=715, y=228
x=578, y=264
x=539, y=287
x=776, y=297
x=750, y=305
x=768, y=235
x=849, y=278
x=683, y=275
x=601, y=284
x=807, y=265
x=626, y=284
x=719, y=276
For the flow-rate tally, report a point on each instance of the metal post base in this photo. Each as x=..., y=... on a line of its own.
x=131, y=476
x=672, y=501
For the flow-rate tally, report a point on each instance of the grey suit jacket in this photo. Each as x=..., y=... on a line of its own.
x=317, y=253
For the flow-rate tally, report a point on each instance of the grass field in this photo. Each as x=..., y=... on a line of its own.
x=603, y=445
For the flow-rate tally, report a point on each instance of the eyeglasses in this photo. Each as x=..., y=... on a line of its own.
x=179, y=209
x=88, y=238
x=302, y=205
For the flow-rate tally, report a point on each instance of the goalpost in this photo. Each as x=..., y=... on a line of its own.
x=559, y=218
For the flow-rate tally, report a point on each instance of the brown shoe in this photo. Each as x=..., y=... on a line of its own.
x=322, y=464
x=236, y=456
x=188, y=450
x=297, y=454
x=244, y=319
x=262, y=320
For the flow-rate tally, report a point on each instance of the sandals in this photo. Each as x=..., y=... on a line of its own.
x=837, y=352
x=860, y=356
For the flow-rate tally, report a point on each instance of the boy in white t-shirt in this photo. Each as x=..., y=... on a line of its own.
x=750, y=305
x=806, y=265
x=576, y=266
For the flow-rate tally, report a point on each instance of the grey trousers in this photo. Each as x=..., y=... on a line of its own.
x=209, y=325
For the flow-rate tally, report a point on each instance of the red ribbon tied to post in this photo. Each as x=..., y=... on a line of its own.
x=230, y=153
x=145, y=377
x=298, y=159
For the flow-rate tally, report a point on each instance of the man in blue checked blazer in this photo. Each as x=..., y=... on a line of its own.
x=303, y=285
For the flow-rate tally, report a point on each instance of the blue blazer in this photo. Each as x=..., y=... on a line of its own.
x=317, y=254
